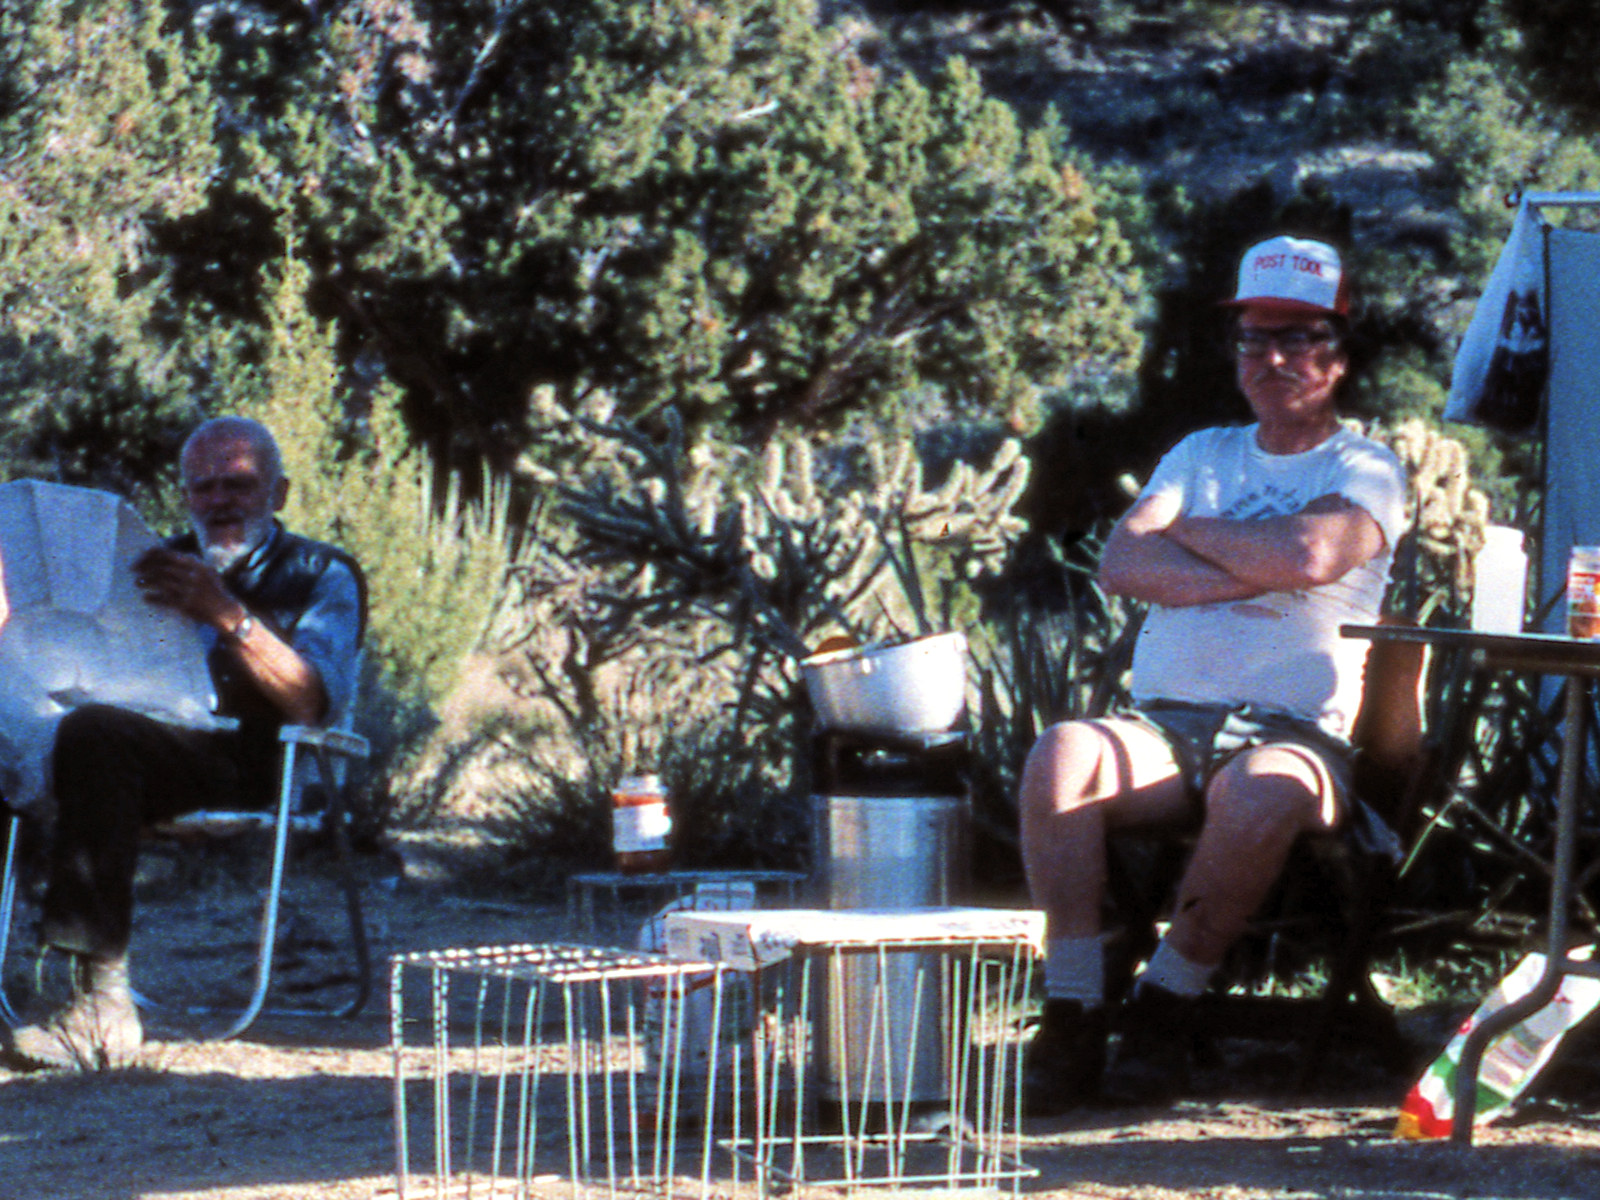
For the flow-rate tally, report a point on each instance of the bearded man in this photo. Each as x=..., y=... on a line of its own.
x=283, y=618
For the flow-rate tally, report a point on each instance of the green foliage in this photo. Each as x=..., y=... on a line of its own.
x=83, y=419
x=1496, y=139
x=732, y=209
x=106, y=127
x=111, y=129
x=1560, y=43
x=435, y=565
x=729, y=209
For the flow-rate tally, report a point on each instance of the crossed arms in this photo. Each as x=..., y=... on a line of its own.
x=1157, y=554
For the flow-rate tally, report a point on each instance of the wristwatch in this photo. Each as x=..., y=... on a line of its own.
x=242, y=630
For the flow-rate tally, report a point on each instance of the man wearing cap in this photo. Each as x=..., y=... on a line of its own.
x=1251, y=545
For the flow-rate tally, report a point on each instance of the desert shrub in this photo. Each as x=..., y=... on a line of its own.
x=664, y=602
x=106, y=131
x=435, y=563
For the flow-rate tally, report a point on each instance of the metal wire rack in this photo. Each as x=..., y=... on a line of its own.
x=885, y=1050
x=538, y=1065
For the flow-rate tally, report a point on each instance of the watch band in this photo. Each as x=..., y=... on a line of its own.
x=243, y=629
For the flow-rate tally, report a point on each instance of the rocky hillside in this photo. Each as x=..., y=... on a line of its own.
x=1213, y=99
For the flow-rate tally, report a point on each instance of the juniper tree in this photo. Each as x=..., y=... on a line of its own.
x=106, y=130
x=731, y=208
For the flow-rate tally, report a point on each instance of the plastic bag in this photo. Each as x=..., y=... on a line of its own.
x=1510, y=1062
x=1504, y=359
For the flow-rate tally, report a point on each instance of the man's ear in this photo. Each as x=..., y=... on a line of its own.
x=280, y=494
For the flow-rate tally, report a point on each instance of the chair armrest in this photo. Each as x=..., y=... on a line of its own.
x=221, y=823
x=338, y=741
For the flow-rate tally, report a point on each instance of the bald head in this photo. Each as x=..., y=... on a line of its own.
x=233, y=483
x=263, y=446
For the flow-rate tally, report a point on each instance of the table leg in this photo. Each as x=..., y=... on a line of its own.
x=1574, y=744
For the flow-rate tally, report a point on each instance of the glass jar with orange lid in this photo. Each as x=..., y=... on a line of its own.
x=640, y=825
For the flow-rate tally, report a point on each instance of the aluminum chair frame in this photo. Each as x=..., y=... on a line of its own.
x=322, y=744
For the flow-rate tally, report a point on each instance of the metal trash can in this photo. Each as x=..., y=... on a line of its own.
x=890, y=830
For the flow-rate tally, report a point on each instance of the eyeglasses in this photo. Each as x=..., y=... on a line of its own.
x=1291, y=342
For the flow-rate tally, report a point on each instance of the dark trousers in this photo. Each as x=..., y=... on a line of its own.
x=115, y=774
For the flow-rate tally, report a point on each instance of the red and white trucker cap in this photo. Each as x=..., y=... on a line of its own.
x=1292, y=275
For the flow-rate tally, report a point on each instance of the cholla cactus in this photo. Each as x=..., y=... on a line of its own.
x=874, y=528
x=1448, y=514
x=794, y=542
x=655, y=621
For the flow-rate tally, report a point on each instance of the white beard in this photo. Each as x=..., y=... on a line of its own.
x=222, y=558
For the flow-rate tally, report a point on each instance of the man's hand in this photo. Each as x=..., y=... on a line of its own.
x=189, y=585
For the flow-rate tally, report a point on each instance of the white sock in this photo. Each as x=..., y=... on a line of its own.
x=1075, y=969
x=1171, y=972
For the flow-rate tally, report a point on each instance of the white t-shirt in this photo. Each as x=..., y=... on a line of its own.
x=1283, y=649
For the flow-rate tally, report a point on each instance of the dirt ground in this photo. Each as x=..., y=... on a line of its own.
x=303, y=1106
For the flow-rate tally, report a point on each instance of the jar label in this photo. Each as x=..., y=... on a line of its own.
x=639, y=828
x=1583, y=594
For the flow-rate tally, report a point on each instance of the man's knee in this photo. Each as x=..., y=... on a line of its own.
x=96, y=733
x=1063, y=767
x=1283, y=786
x=1078, y=764
x=93, y=724
x=99, y=750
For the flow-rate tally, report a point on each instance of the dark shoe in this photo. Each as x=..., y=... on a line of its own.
x=1153, y=1059
x=98, y=1030
x=1061, y=1067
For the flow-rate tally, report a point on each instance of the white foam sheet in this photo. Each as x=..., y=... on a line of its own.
x=75, y=630
x=760, y=937
x=1572, y=446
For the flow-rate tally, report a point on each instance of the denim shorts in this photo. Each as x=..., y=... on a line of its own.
x=1204, y=737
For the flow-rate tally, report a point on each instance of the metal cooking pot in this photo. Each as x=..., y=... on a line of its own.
x=918, y=686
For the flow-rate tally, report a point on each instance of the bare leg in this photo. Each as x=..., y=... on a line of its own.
x=1255, y=808
x=1081, y=779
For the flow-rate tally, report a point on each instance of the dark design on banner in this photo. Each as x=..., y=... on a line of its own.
x=1514, y=384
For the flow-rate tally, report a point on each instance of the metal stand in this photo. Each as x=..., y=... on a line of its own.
x=542, y=1060
x=843, y=1002
x=8, y=897
x=1579, y=662
x=1557, y=964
